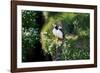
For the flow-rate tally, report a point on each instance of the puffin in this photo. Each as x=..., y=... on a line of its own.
x=57, y=32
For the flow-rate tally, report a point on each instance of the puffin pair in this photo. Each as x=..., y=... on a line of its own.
x=57, y=32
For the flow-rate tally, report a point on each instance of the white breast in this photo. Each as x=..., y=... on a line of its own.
x=58, y=33
x=54, y=32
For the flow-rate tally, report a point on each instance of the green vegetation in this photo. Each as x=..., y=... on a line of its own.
x=37, y=36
